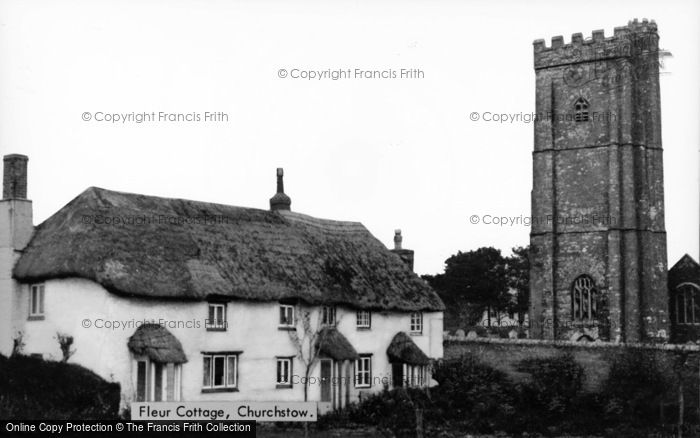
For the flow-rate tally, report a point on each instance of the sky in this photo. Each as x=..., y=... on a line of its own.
x=389, y=152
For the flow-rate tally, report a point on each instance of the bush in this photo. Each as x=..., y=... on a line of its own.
x=31, y=388
x=552, y=398
x=474, y=395
x=635, y=387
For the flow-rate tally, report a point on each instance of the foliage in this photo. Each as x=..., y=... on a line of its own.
x=472, y=281
x=31, y=388
x=473, y=397
x=518, y=278
x=18, y=344
x=475, y=394
x=65, y=342
x=553, y=392
x=634, y=387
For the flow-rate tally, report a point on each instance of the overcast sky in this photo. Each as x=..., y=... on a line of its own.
x=390, y=153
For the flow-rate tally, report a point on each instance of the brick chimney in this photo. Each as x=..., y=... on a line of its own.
x=405, y=254
x=280, y=201
x=16, y=228
x=14, y=178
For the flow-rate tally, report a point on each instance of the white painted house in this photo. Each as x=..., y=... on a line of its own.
x=186, y=300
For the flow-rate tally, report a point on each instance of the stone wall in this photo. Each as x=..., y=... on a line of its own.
x=595, y=358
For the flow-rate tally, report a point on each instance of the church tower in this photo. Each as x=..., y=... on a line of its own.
x=598, y=241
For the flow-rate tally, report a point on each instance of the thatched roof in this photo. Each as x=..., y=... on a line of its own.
x=402, y=349
x=333, y=344
x=179, y=249
x=156, y=342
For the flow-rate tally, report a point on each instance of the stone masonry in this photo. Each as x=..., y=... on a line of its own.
x=597, y=196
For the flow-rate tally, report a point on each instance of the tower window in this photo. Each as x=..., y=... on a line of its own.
x=687, y=304
x=581, y=110
x=583, y=300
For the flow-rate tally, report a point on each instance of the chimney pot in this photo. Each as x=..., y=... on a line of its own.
x=14, y=181
x=280, y=201
x=406, y=255
x=397, y=239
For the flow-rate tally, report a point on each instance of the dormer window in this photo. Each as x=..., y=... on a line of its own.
x=328, y=315
x=364, y=319
x=216, y=321
x=581, y=110
x=36, y=301
x=286, y=316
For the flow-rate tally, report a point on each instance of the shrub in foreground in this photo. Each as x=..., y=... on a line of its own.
x=32, y=388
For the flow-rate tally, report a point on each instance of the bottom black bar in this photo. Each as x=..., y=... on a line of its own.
x=116, y=428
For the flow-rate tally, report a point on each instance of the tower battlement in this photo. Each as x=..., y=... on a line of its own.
x=637, y=38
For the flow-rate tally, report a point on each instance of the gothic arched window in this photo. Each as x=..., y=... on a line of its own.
x=687, y=304
x=581, y=110
x=584, y=299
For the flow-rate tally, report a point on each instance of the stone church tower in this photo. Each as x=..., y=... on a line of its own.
x=598, y=241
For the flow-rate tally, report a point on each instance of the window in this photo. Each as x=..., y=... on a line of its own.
x=364, y=319
x=415, y=375
x=220, y=371
x=416, y=322
x=328, y=315
x=157, y=381
x=286, y=316
x=405, y=375
x=284, y=372
x=687, y=304
x=363, y=371
x=217, y=317
x=584, y=305
x=36, y=301
x=581, y=110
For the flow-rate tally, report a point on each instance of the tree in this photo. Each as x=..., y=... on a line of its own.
x=308, y=344
x=473, y=281
x=518, y=274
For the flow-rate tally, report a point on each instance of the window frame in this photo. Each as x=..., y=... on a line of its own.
x=280, y=384
x=416, y=323
x=217, y=326
x=690, y=295
x=289, y=325
x=329, y=316
x=581, y=110
x=40, y=312
x=584, y=299
x=361, y=383
x=156, y=380
x=227, y=356
x=365, y=325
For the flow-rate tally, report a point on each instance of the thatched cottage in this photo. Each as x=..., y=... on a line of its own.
x=185, y=300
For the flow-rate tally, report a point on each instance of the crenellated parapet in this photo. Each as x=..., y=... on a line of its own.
x=637, y=38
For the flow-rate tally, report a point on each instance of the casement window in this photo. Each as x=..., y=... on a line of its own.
x=220, y=371
x=216, y=320
x=417, y=323
x=284, y=372
x=584, y=299
x=328, y=315
x=363, y=371
x=286, y=316
x=687, y=304
x=36, y=301
x=158, y=381
x=364, y=319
